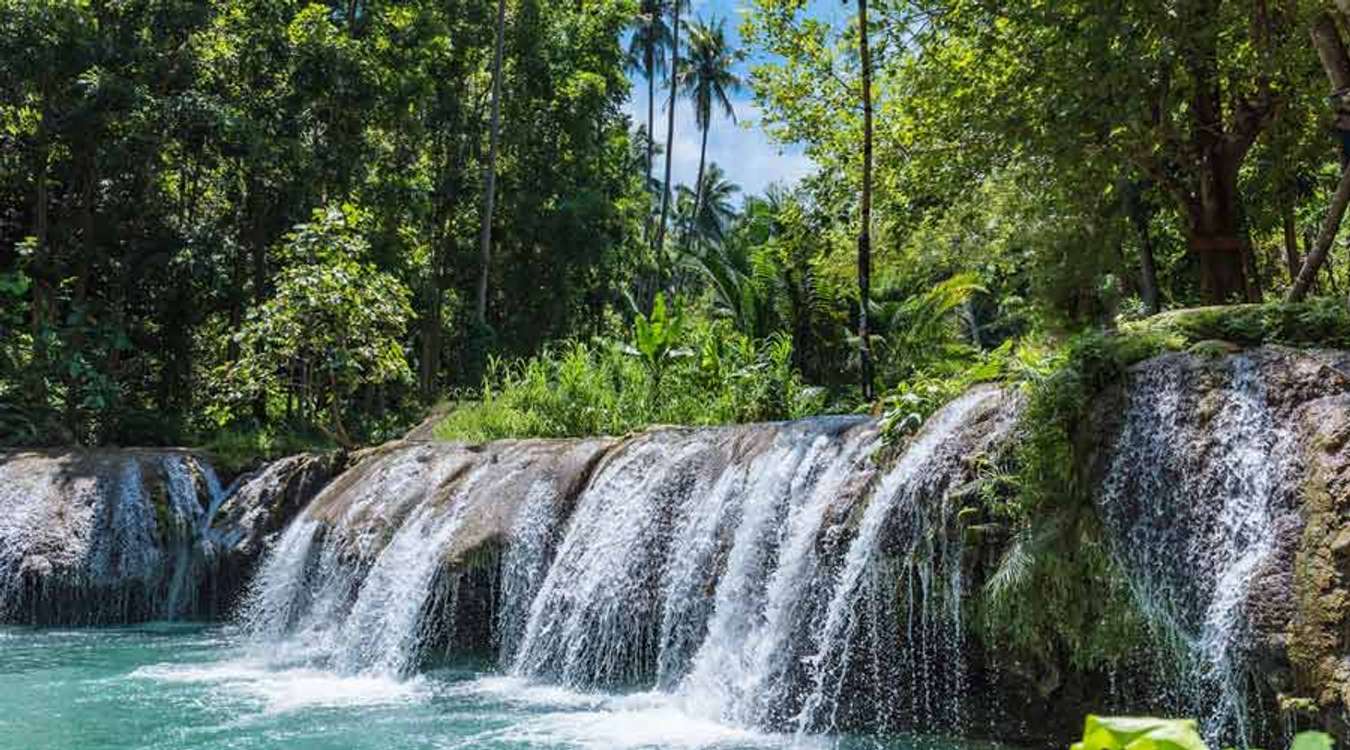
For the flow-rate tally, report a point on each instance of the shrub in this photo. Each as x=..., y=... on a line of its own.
x=703, y=373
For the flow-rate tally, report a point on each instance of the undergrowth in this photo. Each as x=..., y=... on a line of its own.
x=236, y=450
x=604, y=387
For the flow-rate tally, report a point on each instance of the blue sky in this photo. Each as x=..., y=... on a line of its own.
x=742, y=149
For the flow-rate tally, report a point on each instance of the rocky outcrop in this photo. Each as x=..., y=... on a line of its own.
x=114, y=536
x=1222, y=480
x=797, y=576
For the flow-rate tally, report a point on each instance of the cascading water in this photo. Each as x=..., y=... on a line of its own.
x=349, y=584
x=102, y=536
x=741, y=573
x=863, y=601
x=1192, y=492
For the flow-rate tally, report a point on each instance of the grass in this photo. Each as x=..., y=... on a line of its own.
x=600, y=388
x=237, y=450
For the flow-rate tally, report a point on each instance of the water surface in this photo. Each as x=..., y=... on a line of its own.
x=183, y=686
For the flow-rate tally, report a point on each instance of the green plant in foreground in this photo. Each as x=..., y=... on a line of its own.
x=1147, y=733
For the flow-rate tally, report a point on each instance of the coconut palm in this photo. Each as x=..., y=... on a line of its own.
x=675, y=7
x=647, y=56
x=713, y=212
x=708, y=82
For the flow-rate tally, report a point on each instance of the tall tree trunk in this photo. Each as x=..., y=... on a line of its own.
x=1336, y=62
x=698, y=184
x=865, y=220
x=257, y=241
x=490, y=172
x=1215, y=235
x=1141, y=215
x=670, y=124
x=42, y=291
x=651, y=123
x=1148, y=270
x=80, y=296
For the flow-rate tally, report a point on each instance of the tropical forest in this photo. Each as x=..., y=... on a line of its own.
x=674, y=374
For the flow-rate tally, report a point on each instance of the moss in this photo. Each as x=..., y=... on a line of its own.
x=158, y=492
x=1057, y=596
x=1323, y=322
x=1313, y=644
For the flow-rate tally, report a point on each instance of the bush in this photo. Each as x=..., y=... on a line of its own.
x=711, y=375
x=236, y=450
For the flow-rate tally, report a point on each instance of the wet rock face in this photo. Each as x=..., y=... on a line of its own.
x=1217, y=482
x=115, y=536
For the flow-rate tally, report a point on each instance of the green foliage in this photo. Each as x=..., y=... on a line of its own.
x=236, y=450
x=1057, y=595
x=153, y=159
x=655, y=338
x=600, y=388
x=1128, y=733
x=1323, y=322
x=1147, y=733
x=1312, y=741
x=334, y=324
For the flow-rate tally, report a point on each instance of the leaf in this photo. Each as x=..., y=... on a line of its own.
x=1140, y=733
x=1312, y=741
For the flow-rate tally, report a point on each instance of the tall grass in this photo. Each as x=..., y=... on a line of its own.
x=601, y=388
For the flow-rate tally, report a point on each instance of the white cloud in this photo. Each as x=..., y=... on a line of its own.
x=742, y=149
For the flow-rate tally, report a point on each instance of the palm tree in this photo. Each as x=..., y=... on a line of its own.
x=714, y=213
x=647, y=55
x=708, y=82
x=675, y=6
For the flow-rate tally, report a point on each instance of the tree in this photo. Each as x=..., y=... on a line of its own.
x=490, y=168
x=675, y=6
x=1180, y=93
x=865, y=212
x=712, y=216
x=708, y=79
x=334, y=324
x=647, y=55
x=1331, y=50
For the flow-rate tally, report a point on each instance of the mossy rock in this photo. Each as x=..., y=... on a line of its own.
x=1318, y=323
x=1213, y=348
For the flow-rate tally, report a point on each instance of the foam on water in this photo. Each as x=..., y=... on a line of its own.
x=280, y=690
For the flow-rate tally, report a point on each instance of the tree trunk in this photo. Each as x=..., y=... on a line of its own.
x=80, y=296
x=1331, y=51
x=651, y=125
x=1140, y=217
x=256, y=239
x=865, y=219
x=670, y=124
x=490, y=172
x=698, y=184
x=42, y=293
x=1330, y=225
x=1291, y=258
x=1214, y=234
x=1326, y=38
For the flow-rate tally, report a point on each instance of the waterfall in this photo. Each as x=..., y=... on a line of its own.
x=738, y=573
x=863, y=600
x=102, y=536
x=1192, y=491
x=352, y=583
